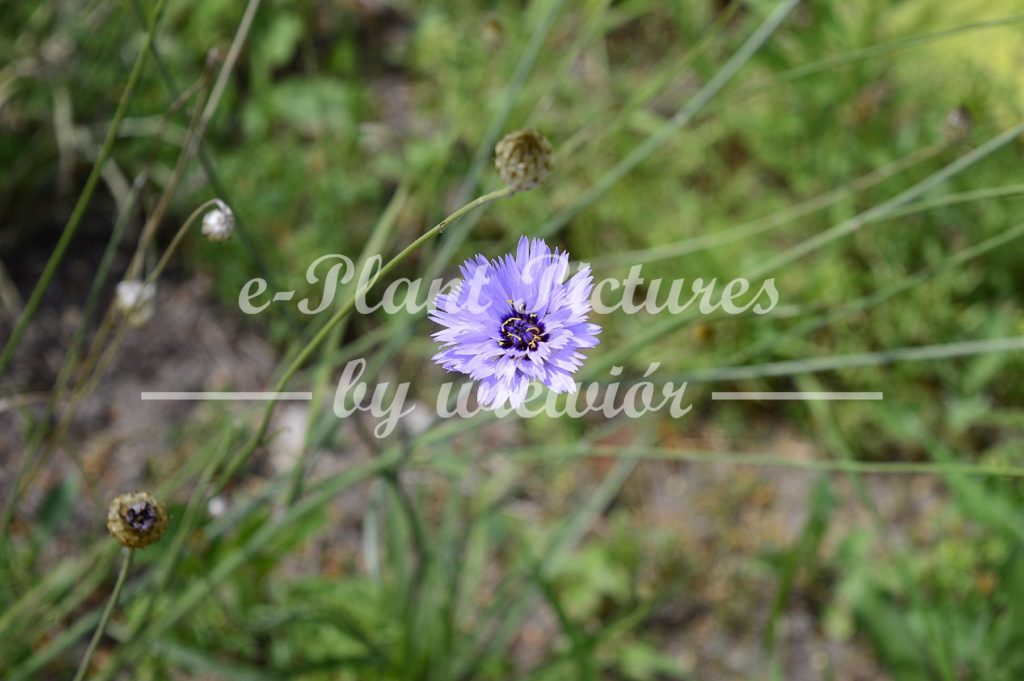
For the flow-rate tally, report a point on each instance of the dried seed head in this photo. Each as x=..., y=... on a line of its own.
x=523, y=159
x=136, y=520
x=959, y=123
x=136, y=300
x=219, y=223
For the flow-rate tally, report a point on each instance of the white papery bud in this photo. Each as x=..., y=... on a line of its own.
x=136, y=301
x=219, y=223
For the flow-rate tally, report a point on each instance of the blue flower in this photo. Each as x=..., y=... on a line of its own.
x=514, y=320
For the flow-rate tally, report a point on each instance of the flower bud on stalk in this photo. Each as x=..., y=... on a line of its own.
x=219, y=223
x=136, y=300
x=523, y=159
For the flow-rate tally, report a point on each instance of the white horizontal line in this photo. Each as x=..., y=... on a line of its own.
x=198, y=396
x=719, y=395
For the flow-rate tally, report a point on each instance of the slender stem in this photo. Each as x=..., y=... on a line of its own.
x=8, y=509
x=390, y=265
x=524, y=68
x=72, y=356
x=778, y=219
x=83, y=200
x=178, y=236
x=195, y=133
x=595, y=133
x=875, y=298
x=168, y=562
x=101, y=352
x=766, y=459
x=229, y=65
x=207, y=163
x=820, y=240
x=796, y=367
x=381, y=232
x=105, y=617
x=98, y=364
x=197, y=129
x=342, y=312
x=834, y=62
x=683, y=116
x=887, y=207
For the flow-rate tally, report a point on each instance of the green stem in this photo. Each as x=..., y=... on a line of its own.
x=71, y=357
x=559, y=453
x=390, y=265
x=819, y=241
x=683, y=116
x=83, y=200
x=341, y=313
x=170, y=560
x=375, y=244
x=766, y=223
x=105, y=618
x=206, y=161
x=101, y=353
x=178, y=236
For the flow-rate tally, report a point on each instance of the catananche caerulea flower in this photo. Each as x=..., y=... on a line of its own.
x=515, y=320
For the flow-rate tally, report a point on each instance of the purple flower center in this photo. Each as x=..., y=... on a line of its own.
x=521, y=331
x=140, y=516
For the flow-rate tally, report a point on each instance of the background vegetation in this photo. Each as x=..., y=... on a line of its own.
x=865, y=156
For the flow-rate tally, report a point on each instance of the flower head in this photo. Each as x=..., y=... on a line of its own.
x=523, y=159
x=515, y=320
x=135, y=300
x=136, y=520
x=219, y=223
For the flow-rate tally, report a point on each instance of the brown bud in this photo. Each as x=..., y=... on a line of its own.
x=136, y=520
x=703, y=333
x=523, y=159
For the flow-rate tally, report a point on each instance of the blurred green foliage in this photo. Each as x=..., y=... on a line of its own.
x=335, y=105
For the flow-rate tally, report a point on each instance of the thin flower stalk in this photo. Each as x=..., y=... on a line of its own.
x=101, y=628
x=304, y=354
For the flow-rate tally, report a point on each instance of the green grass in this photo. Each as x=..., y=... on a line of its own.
x=808, y=145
